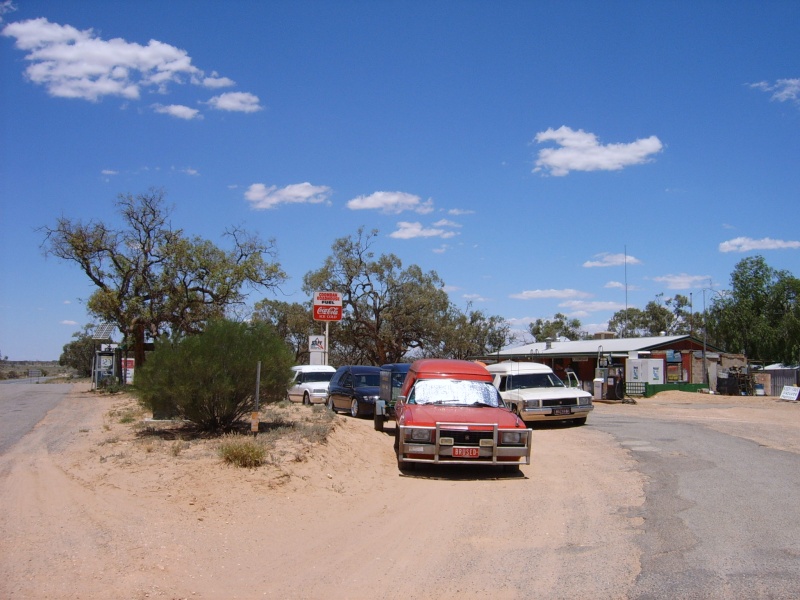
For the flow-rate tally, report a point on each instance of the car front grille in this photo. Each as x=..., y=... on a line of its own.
x=467, y=438
x=561, y=402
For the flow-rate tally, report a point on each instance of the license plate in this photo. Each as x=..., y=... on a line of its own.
x=562, y=411
x=466, y=452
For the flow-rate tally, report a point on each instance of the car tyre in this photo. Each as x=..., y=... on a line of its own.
x=378, y=422
x=355, y=408
x=581, y=421
x=306, y=399
x=330, y=404
x=511, y=469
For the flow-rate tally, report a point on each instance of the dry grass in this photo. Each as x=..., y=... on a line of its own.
x=287, y=433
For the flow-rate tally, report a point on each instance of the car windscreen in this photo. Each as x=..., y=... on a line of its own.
x=312, y=376
x=367, y=379
x=454, y=392
x=533, y=380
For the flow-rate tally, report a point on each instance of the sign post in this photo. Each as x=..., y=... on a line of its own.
x=327, y=308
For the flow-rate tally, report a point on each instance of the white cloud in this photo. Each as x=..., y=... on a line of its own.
x=576, y=306
x=187, y=171
x=746, y=244
x=457, y=212
x=441, y=249
x=618, y=285
x=581, y=151
x=7, y=6
x=407, y=231
x=71, y=63
x=262, y=197
x=68, y=322
x=392, y=203
x=109, y=172
x=605, y=259
x=683, y=281
x=215, y=81
x=539, y=294
x=236, y=102
x=474, y=298
x=178, y=110
x=446, y=223
x=783, y=90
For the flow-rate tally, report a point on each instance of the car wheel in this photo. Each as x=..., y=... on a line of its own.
x=306, y=399
x=378, y=422
x=581, y=421
x=511, y=468
x=405, y=466
x=355, y=409
x=330, y=404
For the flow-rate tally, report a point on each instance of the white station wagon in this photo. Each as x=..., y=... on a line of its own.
x=310, y=383
x=535, y=393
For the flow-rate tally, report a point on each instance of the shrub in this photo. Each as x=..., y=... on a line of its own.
x=210, y=378
x=242, y=451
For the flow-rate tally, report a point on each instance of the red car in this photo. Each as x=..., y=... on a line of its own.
x=448, y=412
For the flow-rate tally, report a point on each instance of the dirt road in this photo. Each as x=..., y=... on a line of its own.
x=102, y=514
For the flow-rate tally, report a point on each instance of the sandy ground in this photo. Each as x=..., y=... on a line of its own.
x=91, y=509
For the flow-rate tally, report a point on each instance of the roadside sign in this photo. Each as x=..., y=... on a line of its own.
x=327, y=306
x=790, y=392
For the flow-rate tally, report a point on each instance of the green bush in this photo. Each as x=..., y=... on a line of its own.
x=210, y=378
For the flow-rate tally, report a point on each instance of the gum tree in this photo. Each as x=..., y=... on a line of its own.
x=152, y=279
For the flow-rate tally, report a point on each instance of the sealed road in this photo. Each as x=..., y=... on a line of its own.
x=23, y=405
x=721, y=515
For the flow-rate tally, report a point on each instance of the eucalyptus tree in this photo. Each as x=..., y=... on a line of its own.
x=152, y=279
x=760, y=315
x=388, y=310
x=293, y=321
x=561, y=326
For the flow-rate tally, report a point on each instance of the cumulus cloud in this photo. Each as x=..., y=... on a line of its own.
x=236, y=102
x=783, y=90
x=407, y=231
x=579, y=306
x=581, y=151
x=606, y=259
x=179, y=111
x=71, y=63
x=262, y=197
x=683, y=281
x=215, y=81
x=746, y=244
x=457, y=212
x=551, y=293
x=74, y=63
x=392, y=203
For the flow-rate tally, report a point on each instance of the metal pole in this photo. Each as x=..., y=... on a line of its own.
x=705, y=329
x=326, y=343
x=254, y=416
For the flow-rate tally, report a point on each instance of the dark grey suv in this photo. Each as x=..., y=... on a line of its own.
x=354, y=388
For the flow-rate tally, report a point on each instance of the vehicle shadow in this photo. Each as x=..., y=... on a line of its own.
x=461, y=472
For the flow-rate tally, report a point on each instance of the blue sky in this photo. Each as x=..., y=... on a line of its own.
x=522, y=150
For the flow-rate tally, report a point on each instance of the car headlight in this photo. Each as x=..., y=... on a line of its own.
x=584, y=401
x=419, y=435
x=512, y=437
x=531, y=404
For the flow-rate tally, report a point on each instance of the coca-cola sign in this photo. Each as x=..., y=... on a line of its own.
x=327, y=306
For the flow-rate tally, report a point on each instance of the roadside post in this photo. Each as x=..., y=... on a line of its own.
x=254, y=415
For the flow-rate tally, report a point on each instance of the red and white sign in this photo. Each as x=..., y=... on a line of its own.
x=327, y=306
